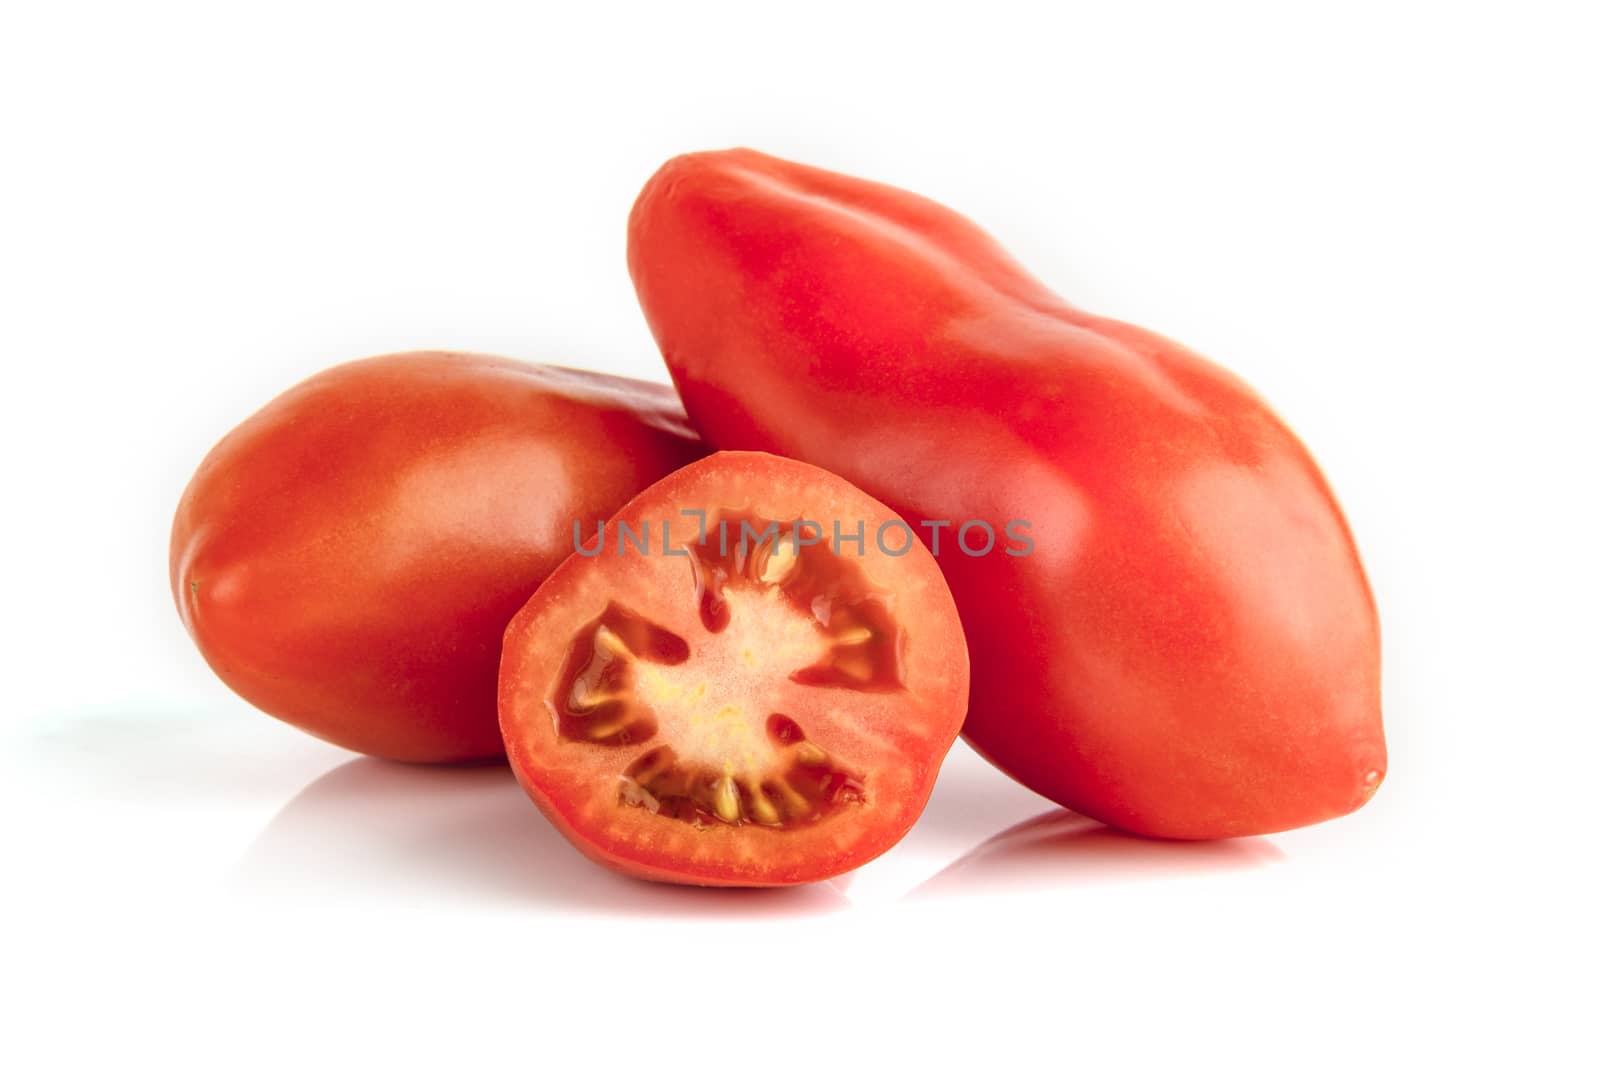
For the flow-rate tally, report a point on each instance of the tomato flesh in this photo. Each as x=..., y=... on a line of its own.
x=756, y=706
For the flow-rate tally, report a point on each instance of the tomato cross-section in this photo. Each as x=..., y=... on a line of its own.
x=739, y=680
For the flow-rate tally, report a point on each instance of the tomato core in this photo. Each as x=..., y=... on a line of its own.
x=774, y=603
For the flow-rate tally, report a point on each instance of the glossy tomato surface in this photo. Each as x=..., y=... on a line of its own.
x=1190, y=649
x=347, y=558
x=728, y=689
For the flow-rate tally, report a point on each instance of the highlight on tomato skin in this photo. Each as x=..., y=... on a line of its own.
x=346, y=559
x=1192, y=649
x=723, y=687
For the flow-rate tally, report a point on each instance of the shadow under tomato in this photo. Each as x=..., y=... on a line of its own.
x=183, y=755
x=1062, y=848
x=374, y=830
x=972, y=801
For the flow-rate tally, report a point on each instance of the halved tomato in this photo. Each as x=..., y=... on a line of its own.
x=749, y=676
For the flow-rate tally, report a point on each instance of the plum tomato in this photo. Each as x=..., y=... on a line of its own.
x=347, y=558
x=1193, y=650
x=748, y=676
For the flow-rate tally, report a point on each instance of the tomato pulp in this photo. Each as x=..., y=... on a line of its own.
x=1191, y=648
x=726, y=688
x=347, y=558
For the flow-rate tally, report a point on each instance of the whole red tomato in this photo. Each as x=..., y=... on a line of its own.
x=347, y=558
x=1186, y=645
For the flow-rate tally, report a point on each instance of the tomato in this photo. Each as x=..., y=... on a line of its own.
x=347, y=558
x=1189, y=647
x=726, y=688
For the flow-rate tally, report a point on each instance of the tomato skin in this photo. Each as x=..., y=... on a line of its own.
x=346, y=559
x=897, y=741
x=1192, y=648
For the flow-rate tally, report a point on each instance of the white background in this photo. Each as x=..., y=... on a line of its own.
x=1385, y=218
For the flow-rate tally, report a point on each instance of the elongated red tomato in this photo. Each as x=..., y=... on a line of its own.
x=348, y=557
x=749, y=676
x=1189, y=647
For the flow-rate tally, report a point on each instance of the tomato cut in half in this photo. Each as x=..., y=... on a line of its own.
x=748, y=676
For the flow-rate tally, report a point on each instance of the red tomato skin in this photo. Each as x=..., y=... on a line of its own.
x=347, y=558
x=1191, y=650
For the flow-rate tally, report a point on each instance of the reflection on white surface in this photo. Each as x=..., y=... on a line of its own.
x=199, y=755
x=971, y=801
x=1061, y=848
x=371, y=832
x=381, y=832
